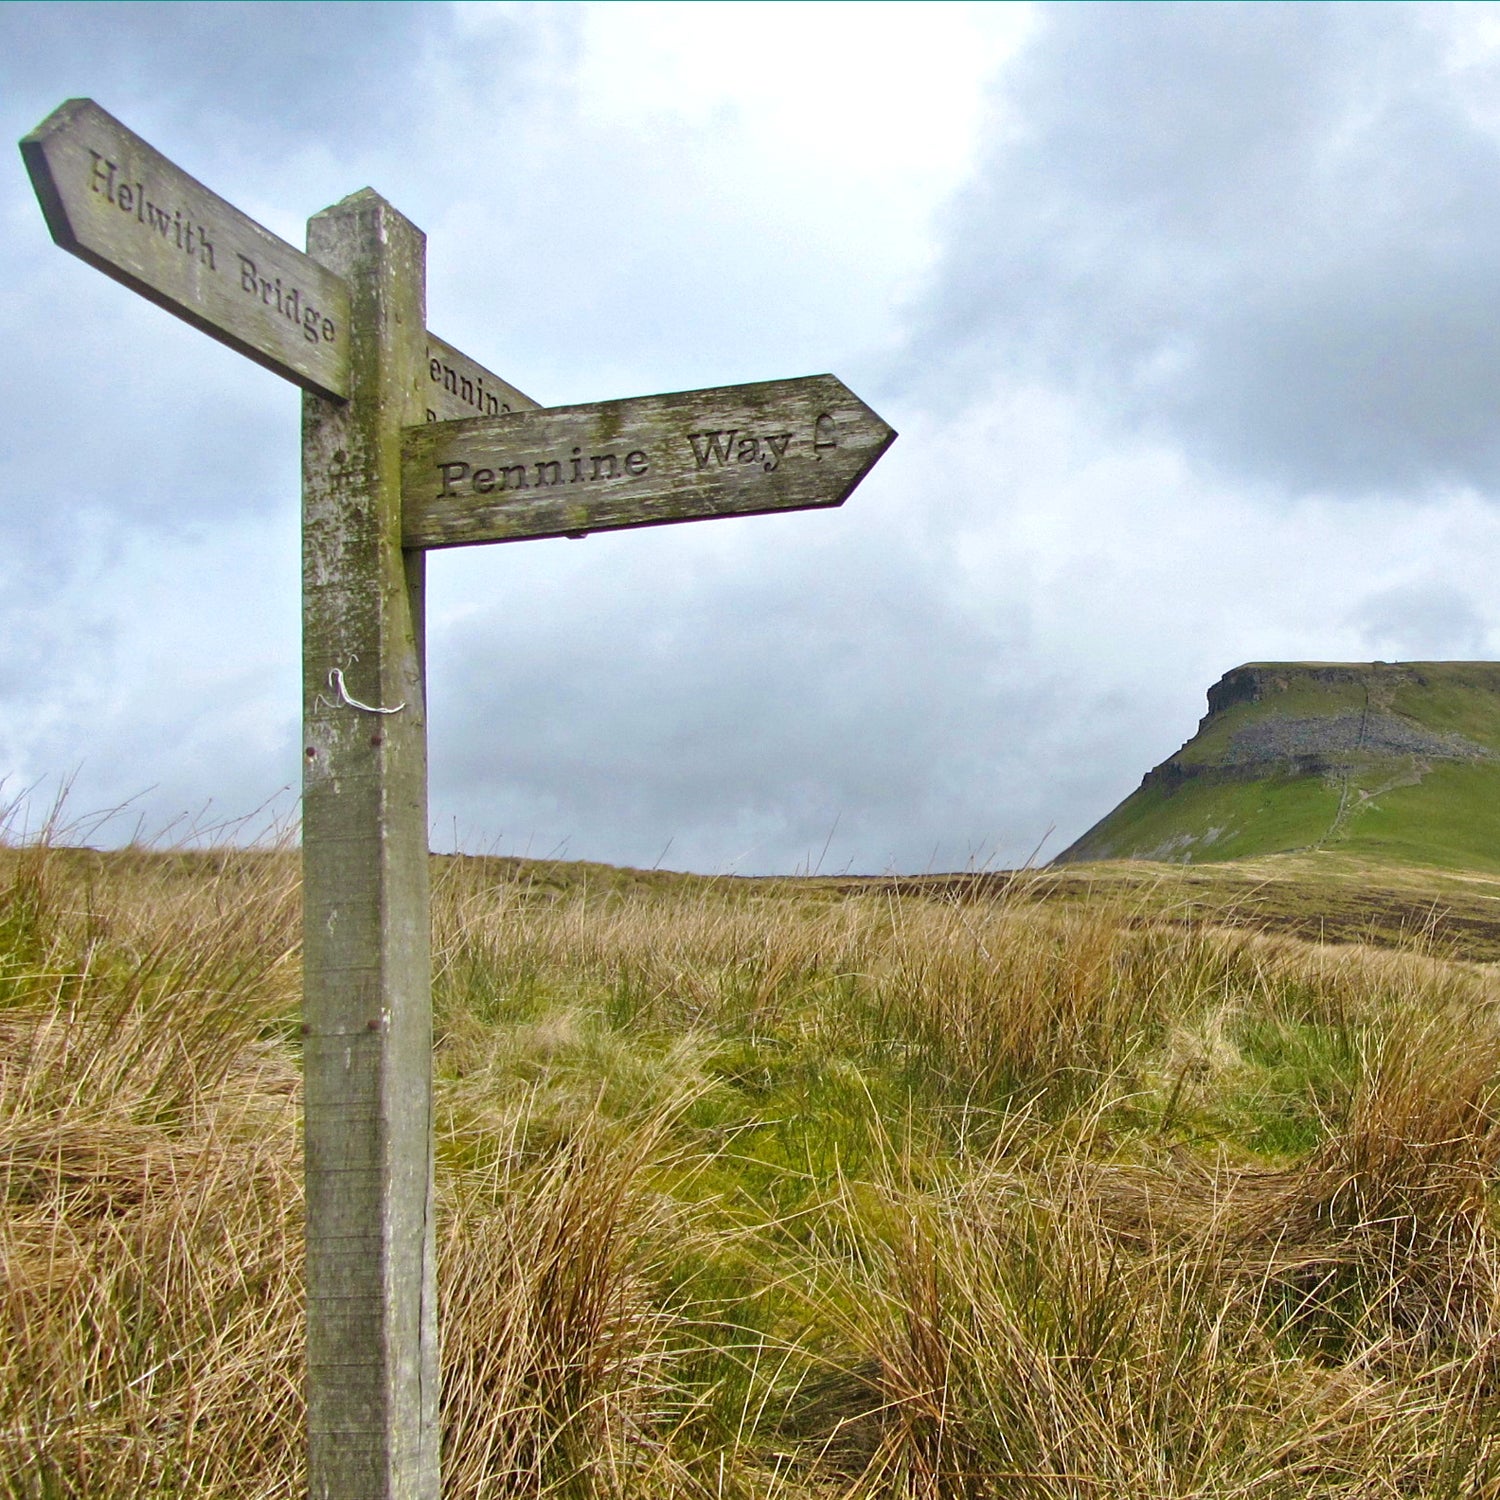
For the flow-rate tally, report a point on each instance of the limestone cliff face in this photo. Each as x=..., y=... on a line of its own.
x=1334, y=714
x=1257, y=681
x=1359, y=728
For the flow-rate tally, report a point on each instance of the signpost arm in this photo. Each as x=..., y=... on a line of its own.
x=371, y=1284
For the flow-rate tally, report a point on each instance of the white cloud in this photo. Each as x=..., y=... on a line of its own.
x=1183, y=315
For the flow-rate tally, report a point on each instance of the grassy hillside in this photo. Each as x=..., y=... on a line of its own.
x=1058, y=1185
x=1399, y=763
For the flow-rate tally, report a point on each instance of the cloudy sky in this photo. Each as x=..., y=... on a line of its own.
x=1189, y=319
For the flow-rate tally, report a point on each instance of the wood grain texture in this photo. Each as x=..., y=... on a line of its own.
x=119, y=204
x=371, y=1289
x=648, y=461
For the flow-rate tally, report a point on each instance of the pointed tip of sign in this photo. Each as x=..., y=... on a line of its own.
x=890, y=432
x=71, y=112
x=117, y=203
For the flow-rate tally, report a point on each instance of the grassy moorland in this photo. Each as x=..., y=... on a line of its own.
x=1097, y=1183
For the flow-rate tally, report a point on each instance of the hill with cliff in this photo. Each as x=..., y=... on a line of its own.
x=1391, y=761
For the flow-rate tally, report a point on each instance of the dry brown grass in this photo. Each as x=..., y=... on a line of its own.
x=150, y=1240
x=764, y=1192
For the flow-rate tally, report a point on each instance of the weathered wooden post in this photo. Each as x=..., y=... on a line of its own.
x=407, y=444
x=367, y=1013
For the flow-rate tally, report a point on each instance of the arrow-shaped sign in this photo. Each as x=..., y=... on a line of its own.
x=737, y=450
x=119, y=204
x=116, y=202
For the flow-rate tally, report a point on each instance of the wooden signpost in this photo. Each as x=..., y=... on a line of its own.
x=407, y=445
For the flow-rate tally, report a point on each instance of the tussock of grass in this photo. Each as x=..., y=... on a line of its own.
x=151, y=1235
x=555, y=1355
x=765, y=1190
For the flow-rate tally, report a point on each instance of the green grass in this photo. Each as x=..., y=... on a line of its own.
x=1223, y=820
x=1453, y=697
x=1451, y=819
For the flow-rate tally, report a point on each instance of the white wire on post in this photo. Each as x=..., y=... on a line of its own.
x=336, y=682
